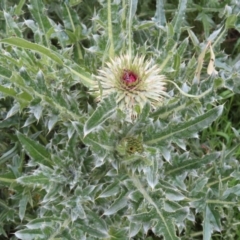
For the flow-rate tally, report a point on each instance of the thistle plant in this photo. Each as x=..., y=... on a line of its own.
x=113, y=120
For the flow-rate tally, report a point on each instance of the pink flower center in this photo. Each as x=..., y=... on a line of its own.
x=129, y=77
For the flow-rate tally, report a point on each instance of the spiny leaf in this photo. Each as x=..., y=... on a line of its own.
x=29, y=234
x=34, y=180
x=159, y=17
x=164, y=226
x=22, y=43
x=179, y=17
x=4, y=72
x=35, y=150
x=40, y=222
x=104, y=111
x=191, y=164
x=184, y=129
x=117, y=205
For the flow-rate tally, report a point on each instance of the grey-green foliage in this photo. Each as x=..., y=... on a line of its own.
x=66, y=172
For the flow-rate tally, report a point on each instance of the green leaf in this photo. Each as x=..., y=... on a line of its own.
x=117, y=205
x=164, y=226
x=101, y=142
x=35, y=150
x=159, y=17
x=24, y=98
x=164, y=111
x=207, y=228
x=9, y=154
x=4, y=72
x=193, y=37
x=19, y=7
x=184, y=129
x=183, y=47
x=190, y=164
x=104, y=111
x=110, y=190
x=13, y=28
x=95, y=232
x=117, y=234
x=37, y=10
x=38, y=179
x=131, y=14
x=8, y=91
x=29, y=234
x=231, y=21
x=179, y=18
x=136, y=128
x=22, y=43
x=152, y=173
x=77, y=70
x=43, y=221
x=22, y=206
x=98, y=221
x=134, y=228
x=80, y=210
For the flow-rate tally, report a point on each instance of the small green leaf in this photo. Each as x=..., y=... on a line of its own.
x=134, y=228
x=110, y=190
x=35, y=150
x=43, y=221
x=22, y=206
x=19, y=7
x=9, y=154
x=231, y=21
x=179, y=18
x=98, y=221
x=165, y=227
x=95, y=232
x=159, y=17
x=4, y=72
x=117, y=205
x=117, y=234
x=193, y=37
x=152, y=173
x=103, y=112
x=13, y=28
x=29, y=234
x=8, y=91
x=80, y=210
x=101, y=143
x=34, y=180
x=207, y=227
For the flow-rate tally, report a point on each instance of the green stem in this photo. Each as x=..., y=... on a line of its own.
x=130, y=30
x=189, y=95
x=215, y=182
x=123, y=16
x=110, y=32
x=7, y=180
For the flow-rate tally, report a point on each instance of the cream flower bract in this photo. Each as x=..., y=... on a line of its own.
x=135, y=81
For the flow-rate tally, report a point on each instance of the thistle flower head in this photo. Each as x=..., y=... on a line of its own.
x=134, y=80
